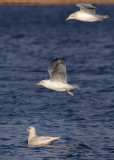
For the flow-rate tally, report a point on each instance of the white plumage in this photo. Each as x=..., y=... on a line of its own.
x=58, y=78
x=34, y=140
x=87, y=13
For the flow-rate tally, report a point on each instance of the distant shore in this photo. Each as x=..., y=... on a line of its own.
x=53, y=2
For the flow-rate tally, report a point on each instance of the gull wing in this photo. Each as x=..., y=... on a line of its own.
x=46, y=140
x=88, y=8
x=39, y=141
x=57, y=70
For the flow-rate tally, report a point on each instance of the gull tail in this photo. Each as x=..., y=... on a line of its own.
x=56, y=138
x=74, y=86
x=106, y=16
x=53, y=139
x=102, y=18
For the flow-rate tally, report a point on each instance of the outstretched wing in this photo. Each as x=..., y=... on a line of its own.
x=57, y=70
x=88, y=8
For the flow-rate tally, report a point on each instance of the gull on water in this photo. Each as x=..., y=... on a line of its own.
x=58, y=78
x=87, y=13
x=34, y=140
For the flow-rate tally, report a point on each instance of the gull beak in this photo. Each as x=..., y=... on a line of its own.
x=37, y=84
x=66, y=19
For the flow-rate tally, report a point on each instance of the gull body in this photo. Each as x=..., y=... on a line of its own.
x=34, y=140
x=87, y=13
x=57, y=86
x=58, y=78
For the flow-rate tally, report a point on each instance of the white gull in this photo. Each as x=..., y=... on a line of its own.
x=34, y=140
x=87, y=13
x=58, y=78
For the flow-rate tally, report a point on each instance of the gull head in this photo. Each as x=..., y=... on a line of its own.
x=43, y=82
x=31, y=129
x=72, y=16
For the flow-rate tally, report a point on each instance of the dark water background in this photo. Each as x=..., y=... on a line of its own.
x=30, y=37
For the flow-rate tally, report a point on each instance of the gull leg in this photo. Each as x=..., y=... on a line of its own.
x=72, y=94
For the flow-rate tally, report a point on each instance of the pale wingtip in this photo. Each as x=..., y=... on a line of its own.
x=106, y=16
x=57, y=138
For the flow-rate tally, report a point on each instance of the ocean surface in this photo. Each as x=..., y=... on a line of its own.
x=30, y=37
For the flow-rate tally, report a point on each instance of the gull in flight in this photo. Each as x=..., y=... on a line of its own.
x=34, y=140
x=58, y=78
x=87, y=14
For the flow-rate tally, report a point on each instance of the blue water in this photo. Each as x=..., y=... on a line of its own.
x=30, y=37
